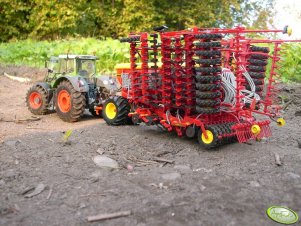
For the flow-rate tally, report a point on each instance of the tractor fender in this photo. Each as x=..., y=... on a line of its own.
x=107, y=82
x=78, y=82
x=46, y=87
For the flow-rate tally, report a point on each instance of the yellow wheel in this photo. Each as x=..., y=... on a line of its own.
x=289, y=31
x=115, y=111
x=255, y=129
x=212, y=140
x=209, y=138
x=111, y=110
x=281, y=122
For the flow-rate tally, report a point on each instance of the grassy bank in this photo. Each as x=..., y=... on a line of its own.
x=111, y=52
x=34, y=53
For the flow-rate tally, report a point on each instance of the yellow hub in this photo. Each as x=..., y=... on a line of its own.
x=255, y=129
x=209, y=138
x=289, y=31
x=111, y=110
x=281, y=122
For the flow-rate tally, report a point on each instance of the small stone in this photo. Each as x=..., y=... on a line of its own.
x=292, y=175
x=202, y=187
x=105, y=162
x=10, y=174
x=182, y=167
x=130, y=168
x=2, y=182
x=298, y=113
x=100, y=151
x=12, y=143
x=171, y=176
x=162, y=186
x=202, y=169
x=38, y=189
x=82, y=205
x=254, y=184
x=299, y=143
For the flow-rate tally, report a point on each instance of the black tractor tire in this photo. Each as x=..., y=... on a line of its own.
x=120, y=106
x=37, y=100
x=76, y=106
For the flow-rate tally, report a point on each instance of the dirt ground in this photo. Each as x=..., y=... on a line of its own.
x=233, y=185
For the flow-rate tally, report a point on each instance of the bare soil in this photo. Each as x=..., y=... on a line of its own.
x=233, y=185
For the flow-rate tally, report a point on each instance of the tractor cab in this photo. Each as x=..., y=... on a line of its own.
x=71, y=65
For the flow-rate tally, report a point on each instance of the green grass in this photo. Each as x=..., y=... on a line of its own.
x=35, y=53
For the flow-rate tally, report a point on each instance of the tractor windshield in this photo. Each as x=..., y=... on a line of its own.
x=67, y=66
x=53, y=65
x=86, y=67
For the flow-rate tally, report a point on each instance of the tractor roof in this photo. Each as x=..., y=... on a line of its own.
x=73, y=56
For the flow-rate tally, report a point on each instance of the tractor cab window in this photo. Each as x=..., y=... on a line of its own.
x=86, y=67
x=53, y=65
x=67, y=66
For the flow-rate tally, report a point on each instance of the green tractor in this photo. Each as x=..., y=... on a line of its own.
x=70, y=87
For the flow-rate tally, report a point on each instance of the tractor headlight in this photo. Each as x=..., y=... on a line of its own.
x=81, y=83
x=112, y=82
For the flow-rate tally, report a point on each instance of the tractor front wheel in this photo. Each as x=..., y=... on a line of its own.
x=115, y=111
x=70, y=104
x=37, y=100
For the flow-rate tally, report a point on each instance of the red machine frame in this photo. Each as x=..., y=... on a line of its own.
x=165, y=93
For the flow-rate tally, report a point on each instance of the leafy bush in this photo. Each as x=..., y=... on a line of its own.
x=35, y=53
x=291, y=62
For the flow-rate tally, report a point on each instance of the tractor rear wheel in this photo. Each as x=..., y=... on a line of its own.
x=37, y=100
x=69, y=103
x=115, y=111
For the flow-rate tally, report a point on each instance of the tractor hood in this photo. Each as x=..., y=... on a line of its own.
x=108, y=82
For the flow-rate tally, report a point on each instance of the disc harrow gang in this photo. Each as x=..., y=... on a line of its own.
x=176, y=80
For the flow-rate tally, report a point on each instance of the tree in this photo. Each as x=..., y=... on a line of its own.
x=14, y=19
x=51, y=19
